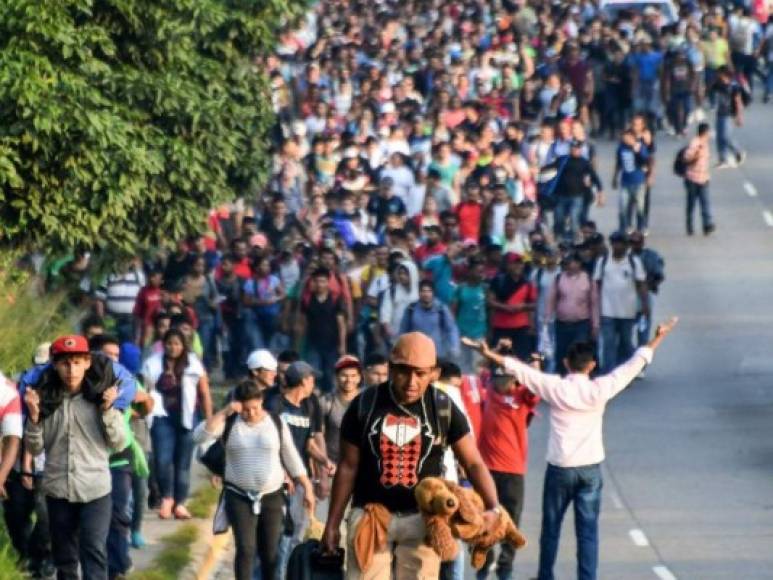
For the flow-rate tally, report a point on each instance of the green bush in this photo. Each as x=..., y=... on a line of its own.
x=27, y=318
x=123, y=121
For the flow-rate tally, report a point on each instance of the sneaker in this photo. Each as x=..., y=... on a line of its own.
x=741, y=157
x=708, y=230
x=723, y=165
x=138, y=541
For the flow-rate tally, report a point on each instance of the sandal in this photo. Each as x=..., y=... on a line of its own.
x=165, y=511
x=181, y=513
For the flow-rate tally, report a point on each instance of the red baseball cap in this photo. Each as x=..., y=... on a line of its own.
x=513, y=258
x=71, y=344
x=347, y=361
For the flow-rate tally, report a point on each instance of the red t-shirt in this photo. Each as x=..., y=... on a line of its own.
x=473, y=395
x=504, y=443
x=424, y=251
x=242, y=269
x=501, y=319
x=147, y=303
x=469, y=215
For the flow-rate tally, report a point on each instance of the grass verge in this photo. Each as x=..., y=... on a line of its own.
x=8, y=568
x=203, y=502
x=174, y=557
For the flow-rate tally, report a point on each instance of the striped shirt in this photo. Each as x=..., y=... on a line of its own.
x=119, y=292
x=253, y=455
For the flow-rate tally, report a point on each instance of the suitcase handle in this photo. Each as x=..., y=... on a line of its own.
x=334, y=561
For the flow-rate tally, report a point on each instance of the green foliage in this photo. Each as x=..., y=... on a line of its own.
x=203, y=502
x=8, y=569
x=28, y=318
x=175, y=556
x=122, y=121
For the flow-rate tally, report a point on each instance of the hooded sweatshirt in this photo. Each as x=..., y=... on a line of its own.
x=396, y=298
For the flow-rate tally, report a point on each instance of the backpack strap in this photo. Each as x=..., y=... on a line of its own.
x=366, y=403
x=278, y=423
x=229, y=425
x=443, y=410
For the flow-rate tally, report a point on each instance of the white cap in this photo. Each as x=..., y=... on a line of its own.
x=261, y=359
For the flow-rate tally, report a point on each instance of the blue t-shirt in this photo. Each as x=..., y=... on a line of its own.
x=632, y=165
x=439, y=266
x=647, y=64
x=264, y=289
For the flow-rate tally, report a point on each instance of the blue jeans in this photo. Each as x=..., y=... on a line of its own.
x=698, y=192
x=725, y=141
x=769, y=79
x=616, y=342
x=207, y=331
x=564, y=485
x=633, y=197
x=78, y=534
x=680, y=107
x=234, y=358
x=173, y=453
x=644, y=323
x=118, y=560
x=260, y=325
x=567, y=207
x=323, y=359
x=566, y=334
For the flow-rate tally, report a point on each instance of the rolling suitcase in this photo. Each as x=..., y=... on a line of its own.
x=307, y=562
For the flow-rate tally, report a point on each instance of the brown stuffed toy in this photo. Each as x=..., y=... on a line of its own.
x=452, y=511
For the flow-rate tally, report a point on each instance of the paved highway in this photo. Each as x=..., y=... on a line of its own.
x=688, y=491
x=689, y=473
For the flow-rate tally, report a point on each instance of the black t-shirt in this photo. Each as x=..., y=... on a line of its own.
x=322, y=321
x=397, y=450
x=304, y=420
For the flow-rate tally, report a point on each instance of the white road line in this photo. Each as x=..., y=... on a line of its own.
x=638, y=538
x=768, y=217
x=750, y=189
x=663, y=573
x=616, y=501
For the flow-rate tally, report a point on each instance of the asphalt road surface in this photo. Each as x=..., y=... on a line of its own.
x=688, y=489
x=688, y=480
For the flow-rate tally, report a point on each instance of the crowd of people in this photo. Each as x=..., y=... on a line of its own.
x=434, y=176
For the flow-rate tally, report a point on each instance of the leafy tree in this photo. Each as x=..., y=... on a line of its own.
x=122, y=121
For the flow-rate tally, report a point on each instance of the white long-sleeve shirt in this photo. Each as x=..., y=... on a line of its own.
x=577, y=405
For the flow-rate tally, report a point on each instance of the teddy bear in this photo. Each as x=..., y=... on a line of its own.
x=451, y=511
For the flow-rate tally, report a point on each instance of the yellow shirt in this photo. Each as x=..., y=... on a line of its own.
x=717, y=52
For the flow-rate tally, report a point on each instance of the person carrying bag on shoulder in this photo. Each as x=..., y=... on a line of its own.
x=258, y=449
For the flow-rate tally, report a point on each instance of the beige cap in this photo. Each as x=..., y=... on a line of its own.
x=414, y=349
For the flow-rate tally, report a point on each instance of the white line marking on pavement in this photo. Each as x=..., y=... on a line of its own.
x=663, y=573
x=768, y=217
x=750, y=189
x=616, y=501
x=638, y=537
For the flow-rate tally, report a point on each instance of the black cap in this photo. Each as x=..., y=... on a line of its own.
x=298, y=371
x=619, y=237
x=576, y=143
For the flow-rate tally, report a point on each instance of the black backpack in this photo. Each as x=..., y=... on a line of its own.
x=214, y=457
x=366, y=404
x=680, y=162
